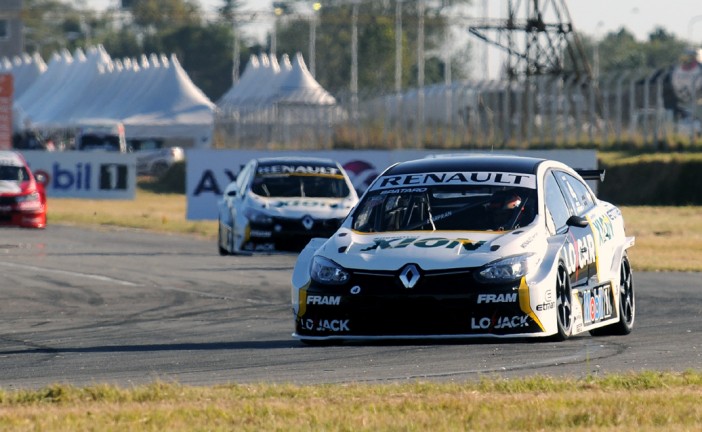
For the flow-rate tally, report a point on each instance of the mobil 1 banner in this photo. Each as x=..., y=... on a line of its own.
x=90, y=175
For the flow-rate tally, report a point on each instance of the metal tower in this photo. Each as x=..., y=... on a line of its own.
x=539, y=37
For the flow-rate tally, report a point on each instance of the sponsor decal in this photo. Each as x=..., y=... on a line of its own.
x=355, y=290
x=433, y=242
x=409, y=276
x=603, y=228
x=298, y=169
x=402, y=191
x=614, y=213
x=579, y=253
x=528, y=241
x=307, y=222
x=497, y=298
x=260, y=234
x=299, y=203
x=548, y=303
x=324, y=300
x=485, y=323
x=361, y=173
x=456, y=178
x=596, y=304
x=330, y=325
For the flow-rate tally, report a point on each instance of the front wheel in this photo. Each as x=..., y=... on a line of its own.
x=564, y=305
x=222, y=251
x=627, y=305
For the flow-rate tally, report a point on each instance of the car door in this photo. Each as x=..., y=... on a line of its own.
x=581, y=254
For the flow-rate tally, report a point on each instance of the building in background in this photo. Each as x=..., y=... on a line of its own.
x=11, y=34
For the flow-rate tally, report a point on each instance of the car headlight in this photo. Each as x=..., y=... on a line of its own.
x=29, y=202
x=257, y=216
x=507, y=269
x=327, y=271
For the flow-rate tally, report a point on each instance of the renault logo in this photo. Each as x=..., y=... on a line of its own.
x=308, y=222
x=409, y=276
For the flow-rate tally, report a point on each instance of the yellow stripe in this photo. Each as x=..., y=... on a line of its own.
x=525, y=302
x=303, y=302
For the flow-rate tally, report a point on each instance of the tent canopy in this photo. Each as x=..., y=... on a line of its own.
x=153, y=96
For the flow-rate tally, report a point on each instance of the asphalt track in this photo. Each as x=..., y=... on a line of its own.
x=129, y=307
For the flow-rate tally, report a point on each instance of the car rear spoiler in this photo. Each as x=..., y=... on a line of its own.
x=591, y=174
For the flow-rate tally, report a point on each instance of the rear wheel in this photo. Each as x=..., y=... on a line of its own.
x=627, y=304
x=564, y=305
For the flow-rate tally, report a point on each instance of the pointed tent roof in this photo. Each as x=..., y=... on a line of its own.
x=247, y=80
x=300, y=87
x=154, y=98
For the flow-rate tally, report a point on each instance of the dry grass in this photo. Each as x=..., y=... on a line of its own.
x=667, y=238
x=645, y=401
x=157, y=212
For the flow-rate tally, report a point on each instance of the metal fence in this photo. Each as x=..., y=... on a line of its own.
x=635, y=109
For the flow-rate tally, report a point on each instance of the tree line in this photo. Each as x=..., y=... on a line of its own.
x=204, y=44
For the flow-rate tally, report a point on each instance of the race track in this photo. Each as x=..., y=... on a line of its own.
x=129, y=307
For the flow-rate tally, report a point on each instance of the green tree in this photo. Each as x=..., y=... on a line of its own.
x=376, y=44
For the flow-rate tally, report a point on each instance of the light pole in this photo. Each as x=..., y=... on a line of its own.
x=316, y=6
x=398, y=46
x=690, y=24
x=596, y=52
x=354, y=58
x=235, y=52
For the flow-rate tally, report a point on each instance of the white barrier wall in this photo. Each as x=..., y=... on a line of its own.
x=89, y=175
x=208, y=172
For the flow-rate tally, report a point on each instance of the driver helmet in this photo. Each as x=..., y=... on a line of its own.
x=505, y=201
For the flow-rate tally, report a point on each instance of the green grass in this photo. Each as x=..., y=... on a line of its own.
x=644, y=401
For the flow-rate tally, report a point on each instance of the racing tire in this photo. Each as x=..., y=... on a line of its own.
x=222, y=251
x=564, y=305
x=627, y=304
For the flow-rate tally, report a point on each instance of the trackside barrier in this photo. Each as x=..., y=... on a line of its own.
x=208, y=172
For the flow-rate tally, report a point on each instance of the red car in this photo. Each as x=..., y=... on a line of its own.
x=22, y=197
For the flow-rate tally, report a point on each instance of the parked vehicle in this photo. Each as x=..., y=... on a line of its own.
x=153, y=158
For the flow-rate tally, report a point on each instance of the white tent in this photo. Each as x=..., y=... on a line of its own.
x=153, y=97
x=265, y=82
x=25, y=70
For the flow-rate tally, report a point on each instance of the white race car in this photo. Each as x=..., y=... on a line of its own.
x=280, y=203
x=469, y=246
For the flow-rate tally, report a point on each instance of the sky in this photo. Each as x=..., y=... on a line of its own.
x=594, y=18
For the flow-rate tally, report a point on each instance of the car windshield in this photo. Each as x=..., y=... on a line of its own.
x=98, y=142
x=300, y=185
x=13, y=173
x=440, y=208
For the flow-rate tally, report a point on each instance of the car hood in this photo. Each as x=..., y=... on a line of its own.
x=11, y=188
x=430, y=250
x=297, y=207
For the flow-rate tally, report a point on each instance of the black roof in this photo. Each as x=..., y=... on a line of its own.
x=296, y=161
x=459, y=163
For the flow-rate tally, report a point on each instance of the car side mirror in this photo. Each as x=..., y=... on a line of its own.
x=577, y=221
x=40, y=178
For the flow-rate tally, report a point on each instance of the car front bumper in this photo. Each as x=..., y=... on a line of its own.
x=447, y=304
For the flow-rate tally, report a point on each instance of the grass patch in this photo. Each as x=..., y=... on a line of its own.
x=642, y=402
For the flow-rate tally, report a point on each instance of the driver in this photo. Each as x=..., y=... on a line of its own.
x=501, y=209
